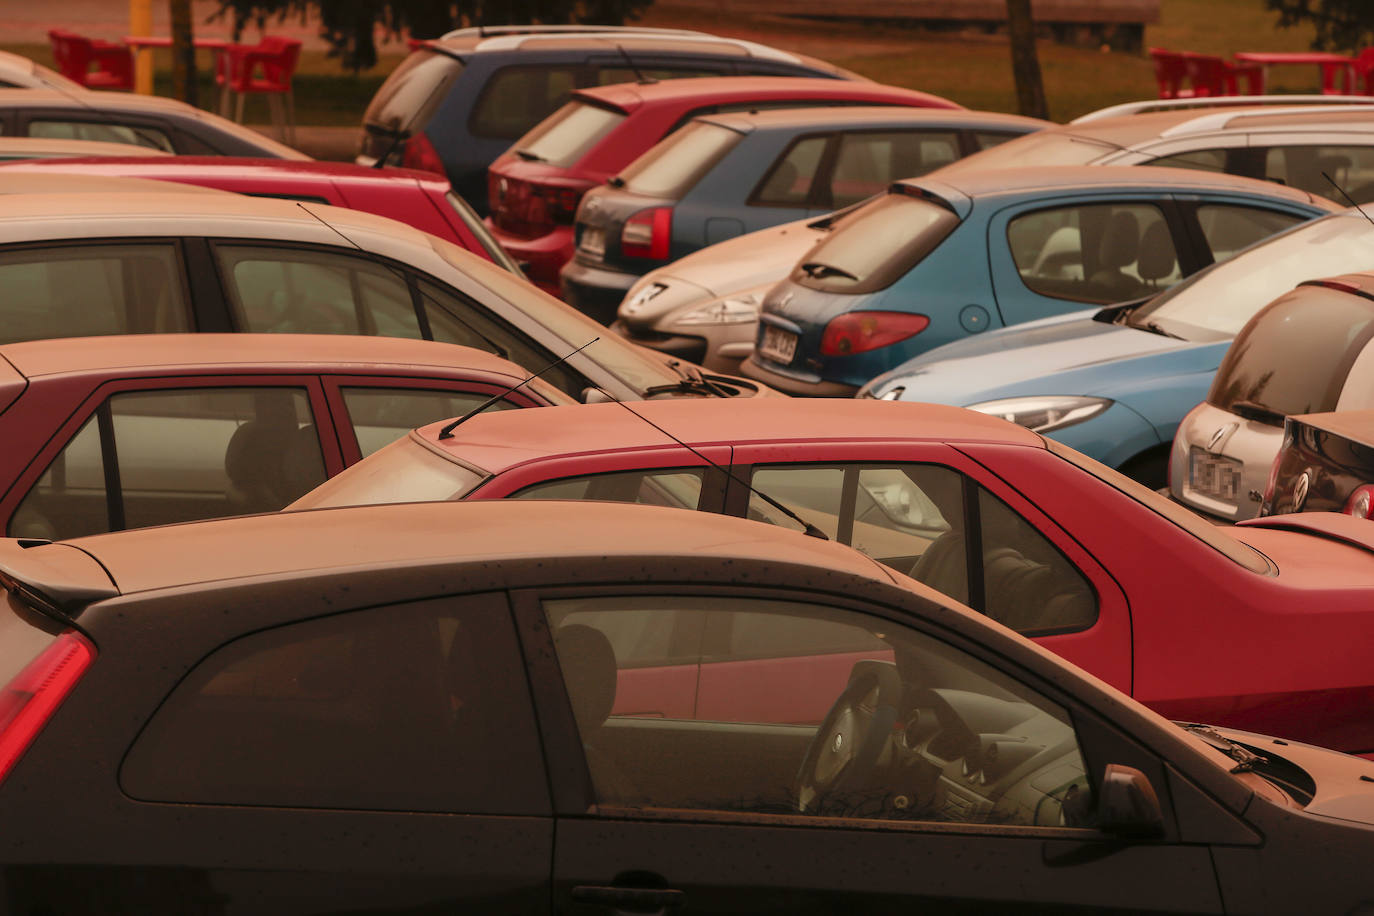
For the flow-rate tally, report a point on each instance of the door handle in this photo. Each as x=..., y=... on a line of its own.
x=645, y=899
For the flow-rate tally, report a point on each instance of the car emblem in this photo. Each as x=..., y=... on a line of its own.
x=1300, y=490
x=1219, y=437
x=837, y=743
x=782, y=303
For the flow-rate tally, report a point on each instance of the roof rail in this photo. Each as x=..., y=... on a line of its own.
x=484, y=31
x=1219, y=120
x=749, y=48
x=1225, y=101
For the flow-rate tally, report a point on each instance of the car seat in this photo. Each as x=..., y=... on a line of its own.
x=1119, y=246
x=1157, y=259
x=253, y=462
x=588, y=663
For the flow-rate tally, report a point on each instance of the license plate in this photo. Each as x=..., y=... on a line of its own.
x=1214, y=475
x=778, y=345
x=593, y=242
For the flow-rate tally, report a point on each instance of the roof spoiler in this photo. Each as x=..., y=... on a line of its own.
x=1334, y=526
x=55, y=579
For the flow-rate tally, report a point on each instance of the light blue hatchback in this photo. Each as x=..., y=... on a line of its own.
x=1114, y=383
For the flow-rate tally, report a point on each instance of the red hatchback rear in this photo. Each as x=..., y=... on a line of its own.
x=534, y=188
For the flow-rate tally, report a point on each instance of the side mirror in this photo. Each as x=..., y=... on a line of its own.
x=1127, y=804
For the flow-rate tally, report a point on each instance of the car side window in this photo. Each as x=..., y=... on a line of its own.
x=1206, y=160
x=1351, y=167
x=1100, y=253
x=1230, y=228
x=868, y=162
x=380, y=416
x=415, y=707
x=678, y=488
x=800, y=709
x=91, y=290
x=988, y=139
x=607, y=76
x=157, y=457
x=788, y=182
x=517, y=98
x=304, y=291
x=132, y=134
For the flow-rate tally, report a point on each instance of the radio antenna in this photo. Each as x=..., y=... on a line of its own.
x=447, y=431
x=807, y=527
x=1348, y=197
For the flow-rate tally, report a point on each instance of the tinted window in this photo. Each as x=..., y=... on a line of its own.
x=1094, y=252
x=413, y=708
x=1293, y=357
x=380, y=416
x=1351, y=167
x=672, y=167
x=1228, y=228
x=1206, y=160
x=290, y=290
x=91, y=290
x=606, y=76
x=788, y=183
x=517, y=98
x=413, y=91
x=868, y=162
x=988, y=139
x=876, y=244
x=106, y=133
x=676, y=488
x=151, y=458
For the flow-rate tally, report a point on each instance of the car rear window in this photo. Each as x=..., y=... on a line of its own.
x=413, y=91
x=565, y=136
x=677, y=163
x=403, y=472
x=876, y=244
x=516, y=99
x=1293, y=357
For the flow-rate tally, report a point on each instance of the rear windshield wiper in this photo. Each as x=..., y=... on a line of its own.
x=1249, y=410
x=529, y=156
x=818, y=271
x=1155, y=327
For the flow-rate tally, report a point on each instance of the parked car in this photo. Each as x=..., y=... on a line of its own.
x=458, y=102
x=1325, y=464
x=912, y=485
x=534, y=188
x=726, y=174
x=939, y=258
x=1115, y=383
x=419, y=199
x=202, y=260
x=139, y=120
x=43, y=148
x=19, y=72
x=1199, y=103
x=1303, y=353
x=107, y=433
x=1289, y=145
x=384, y=669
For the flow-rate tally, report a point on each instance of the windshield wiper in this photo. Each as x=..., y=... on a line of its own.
x=690, y=379
x=818, y=271
x=1249, y=410
x=1246, y=759
x=1155, y=327
x=616, y=181
x=529, y=156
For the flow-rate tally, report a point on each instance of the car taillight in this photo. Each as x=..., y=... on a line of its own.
x=857, y=332
x=559, y=201
x=421, y=154
x=28, y=701
x=1361, y=502
x=646, y=234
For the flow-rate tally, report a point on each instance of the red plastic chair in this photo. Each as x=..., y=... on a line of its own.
x=1362, y=72
x=1171, y=72
x=76, y=55
x=266, y=68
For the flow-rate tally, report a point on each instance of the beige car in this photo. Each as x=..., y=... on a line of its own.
x=50, y=148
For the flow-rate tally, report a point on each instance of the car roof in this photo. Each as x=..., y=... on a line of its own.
x=202, y=353
x=844, y=116
x=97, y=101
x=707, y=90
x=1132, y=130
x=1069, y=178
x=69, y=149
x=425, y=534
x=472, y=41
x=19, y=184
x=496, y=442
x=262, y=168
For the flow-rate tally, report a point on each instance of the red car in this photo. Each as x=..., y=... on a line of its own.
x=420, y=199
x=534, y=188
x=106, y=433
x=1262, y=627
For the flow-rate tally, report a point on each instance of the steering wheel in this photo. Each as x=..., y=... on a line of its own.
x=852, y=736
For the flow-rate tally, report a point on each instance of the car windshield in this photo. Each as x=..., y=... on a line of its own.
x=1044, y=148
x=1211, y=535
x=674, y=166
x=564, y=136
x=406, y=471
x=1216, y=303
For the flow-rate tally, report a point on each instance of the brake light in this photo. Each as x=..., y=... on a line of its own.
x=858, y=332
x=1361, y=502
x=28, y=701
x=646, y=234
x=560, y=202
x=420, y=154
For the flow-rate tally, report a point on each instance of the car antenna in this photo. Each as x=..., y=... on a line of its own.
x=447, y=431
x=639, y=75
x=807, y=527
x=1348, y=197
x=376, y=259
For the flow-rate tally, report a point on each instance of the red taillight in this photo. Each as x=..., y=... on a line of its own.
x=421, y=154
x=646, y=234
x=857, y=332
x=560, y=202
x=28, y=701
x=1361, y=502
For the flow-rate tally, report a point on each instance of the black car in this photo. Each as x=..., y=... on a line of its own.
x=1325, y=464
x=458, y=102
x=139, y=120
x=480, y=708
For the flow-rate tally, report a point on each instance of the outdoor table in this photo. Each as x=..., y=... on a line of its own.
x=1330, y=64
x=139, y=44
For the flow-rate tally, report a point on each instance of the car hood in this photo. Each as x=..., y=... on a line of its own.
x=1066, y=354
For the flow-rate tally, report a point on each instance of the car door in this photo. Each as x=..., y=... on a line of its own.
x=857, y=791
x=928, y=511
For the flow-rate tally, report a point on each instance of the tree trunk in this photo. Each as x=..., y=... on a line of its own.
x=183, y=52
x=1025, y=65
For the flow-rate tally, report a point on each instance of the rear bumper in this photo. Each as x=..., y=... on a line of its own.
x=594, y=291
x=796, y=383
x=543, y=257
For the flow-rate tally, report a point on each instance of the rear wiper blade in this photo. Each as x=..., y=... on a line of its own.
x=1249, y=410
x=529, y=156
x=816, y=271
x=1246, y=759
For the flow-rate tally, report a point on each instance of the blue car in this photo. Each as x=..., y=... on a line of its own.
x=943, y=257
x=1115, y=383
